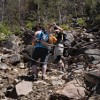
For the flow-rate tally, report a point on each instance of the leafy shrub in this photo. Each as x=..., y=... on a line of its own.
x=29, y=25
x=16, y=30
x=81, y=22
x=4, y=31
x=65, y=27
x=97, y=19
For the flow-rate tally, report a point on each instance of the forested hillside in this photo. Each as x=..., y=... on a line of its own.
x=29, y=12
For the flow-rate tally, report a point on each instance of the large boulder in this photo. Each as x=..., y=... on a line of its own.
x=93, y=52
x=68, y=37
x=27, y=38
x=20, y=89
x=72, y=90
x=7, y=44
x=13, y=43
x=92, y=80
x=28, y=52
x=92, y=76
x=12, y=59
x=94, y=55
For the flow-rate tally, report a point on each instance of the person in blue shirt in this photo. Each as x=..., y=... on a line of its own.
x=40, y=52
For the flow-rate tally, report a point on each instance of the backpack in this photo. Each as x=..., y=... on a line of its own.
x=44, y=37
x=47, y=39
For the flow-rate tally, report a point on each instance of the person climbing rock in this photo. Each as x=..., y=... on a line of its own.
x=58, y=50
x=40, y=51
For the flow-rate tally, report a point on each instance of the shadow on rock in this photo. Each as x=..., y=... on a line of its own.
x=11, y=93
x=58, y=97
x=26, y=78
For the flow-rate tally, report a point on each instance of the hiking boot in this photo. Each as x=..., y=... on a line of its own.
x=35, y=77
x=44, y=77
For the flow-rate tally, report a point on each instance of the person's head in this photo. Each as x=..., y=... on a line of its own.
x=56, y=30
x=43, y=29
x=38, y=27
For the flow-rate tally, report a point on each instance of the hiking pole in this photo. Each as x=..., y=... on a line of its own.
x=36, y=60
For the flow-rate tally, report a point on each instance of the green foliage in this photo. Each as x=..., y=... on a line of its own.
x=4, y=31
x=81, y=22
x=97, y=19
x=58, y=11
x=2, y=36
x=65, y=27
x=16, y=30
x=29, y=24
x=91, y=3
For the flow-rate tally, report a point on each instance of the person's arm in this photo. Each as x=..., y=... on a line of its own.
x=34, y=40
x=58, y=27
x=50, y=28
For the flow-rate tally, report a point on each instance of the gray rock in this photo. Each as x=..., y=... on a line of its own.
x=12, y=43
x=23, y=88
x=96, y=57
x=72, y=90
x=8, y=44
x=57, y=82
x=12, y=59
x=21, y=65
x=93, y=52
x=3, y=66
x=2, y=95
x=98, y=65
x=28, y=52
x=70, y=37
x=6, y=51
x=92, y=76
x=13, y=37
x=29, y=49
x=0, y=57
x=90, y=36
x=95, y=61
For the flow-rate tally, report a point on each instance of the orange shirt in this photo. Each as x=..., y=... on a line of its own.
x=52, y=39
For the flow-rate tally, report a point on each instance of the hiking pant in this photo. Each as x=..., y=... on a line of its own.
x=40, y=53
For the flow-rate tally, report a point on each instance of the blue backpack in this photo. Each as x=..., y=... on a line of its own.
x=44, y=37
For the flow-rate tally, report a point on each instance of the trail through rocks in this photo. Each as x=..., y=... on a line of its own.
x=79, y=81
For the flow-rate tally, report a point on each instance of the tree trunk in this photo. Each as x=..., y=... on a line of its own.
x=19, y=5
x=46, y=17
x=59, y=13
x=3, y=10
x=38, y=12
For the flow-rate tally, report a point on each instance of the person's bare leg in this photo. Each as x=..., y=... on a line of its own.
x=34, y=69
x=44, y=68
x=35, y=72
x=61, y=65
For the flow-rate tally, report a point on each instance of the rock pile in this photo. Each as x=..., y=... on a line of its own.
x=82, y=68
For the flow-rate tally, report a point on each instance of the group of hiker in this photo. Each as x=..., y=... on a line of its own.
x=43, y=41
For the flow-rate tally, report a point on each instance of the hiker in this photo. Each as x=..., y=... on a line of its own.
x=40, y=52
x=58, y=50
